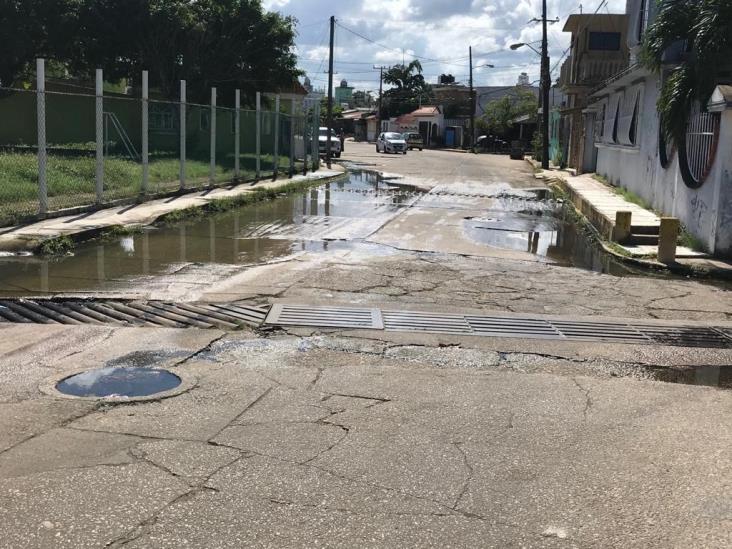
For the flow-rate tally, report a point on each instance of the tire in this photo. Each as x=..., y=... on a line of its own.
x=377, y=149
x=337, y=155
x=420, y=150
x=405, y=152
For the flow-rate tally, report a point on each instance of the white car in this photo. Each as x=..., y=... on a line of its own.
x=390, y=142
x=335, y=142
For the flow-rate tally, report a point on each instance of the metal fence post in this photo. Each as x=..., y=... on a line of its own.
x=100, y=136
x=292, y=137
x=276, y=156
x=212, y=126
x=316, y=135
x=182, y=173
x=145, y=97
x=41, y=115
x=258, y=149
x=237, y=134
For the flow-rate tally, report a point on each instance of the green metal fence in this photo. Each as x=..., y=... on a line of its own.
x=87, y=149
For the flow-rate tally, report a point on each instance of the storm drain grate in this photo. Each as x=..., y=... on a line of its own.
x=406, y=321
x=331, y=317
x=499, y=326
x=132, y=313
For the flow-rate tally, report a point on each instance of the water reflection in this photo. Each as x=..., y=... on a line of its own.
x=707, y=376
x=253, y=234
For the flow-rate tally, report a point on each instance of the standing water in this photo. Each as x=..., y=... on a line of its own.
x=336, y=215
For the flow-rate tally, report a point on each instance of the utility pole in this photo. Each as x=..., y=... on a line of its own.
x=381, y=91
x=472, y=103
x=545, y=84
x=330, y=92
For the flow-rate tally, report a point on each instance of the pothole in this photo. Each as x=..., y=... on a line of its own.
x=706, y=376
x=119, y=384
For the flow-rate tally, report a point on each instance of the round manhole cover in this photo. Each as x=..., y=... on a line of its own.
x=119, y=382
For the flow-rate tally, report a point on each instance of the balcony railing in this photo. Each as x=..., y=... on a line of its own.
x=590, y=71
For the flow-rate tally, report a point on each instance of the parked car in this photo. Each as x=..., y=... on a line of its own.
x=414, y=141
x=391, y=142
x=335, y=142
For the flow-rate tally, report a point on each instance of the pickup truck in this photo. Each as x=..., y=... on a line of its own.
x=335, y=143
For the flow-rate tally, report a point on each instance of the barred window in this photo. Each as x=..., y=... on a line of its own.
x=699, y=148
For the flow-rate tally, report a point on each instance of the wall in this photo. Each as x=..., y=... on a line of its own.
x=639, y=170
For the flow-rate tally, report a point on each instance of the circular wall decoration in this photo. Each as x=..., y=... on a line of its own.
x=698, y=149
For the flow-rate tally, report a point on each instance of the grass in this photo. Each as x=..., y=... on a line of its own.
x=688, y=240
x=60, y=245
x=71, y=179
x=628, y=196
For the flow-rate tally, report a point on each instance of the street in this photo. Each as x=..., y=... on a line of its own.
x=305, y=436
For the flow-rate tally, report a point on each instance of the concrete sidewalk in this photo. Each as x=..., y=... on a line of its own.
x=600, y=204
x=28, y=237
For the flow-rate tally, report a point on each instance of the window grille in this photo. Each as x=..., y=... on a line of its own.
x=699, y=149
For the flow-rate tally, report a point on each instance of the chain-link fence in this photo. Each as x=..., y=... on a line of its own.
x=85, y=148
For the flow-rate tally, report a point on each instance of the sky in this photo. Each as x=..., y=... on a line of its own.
x=438, y=32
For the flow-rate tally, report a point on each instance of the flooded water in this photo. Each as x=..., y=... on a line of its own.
x=119, y=381
x=330, y=217
x=334, y=216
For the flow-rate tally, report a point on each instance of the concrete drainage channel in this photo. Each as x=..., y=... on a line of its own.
x=229, y=316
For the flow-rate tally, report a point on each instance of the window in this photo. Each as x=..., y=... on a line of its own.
x=615, y=123
x=699, y=148
x=162, y=117
x=633, y=131
x=604, y=41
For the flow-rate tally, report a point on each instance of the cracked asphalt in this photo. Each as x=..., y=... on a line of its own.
x=306, y=437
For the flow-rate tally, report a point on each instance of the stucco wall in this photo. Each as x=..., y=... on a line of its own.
x=706, y=212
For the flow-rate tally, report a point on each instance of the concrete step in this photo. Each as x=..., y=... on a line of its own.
x=643, y=239
x=645, y=229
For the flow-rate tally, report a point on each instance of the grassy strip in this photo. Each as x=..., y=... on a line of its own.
x=71, y=179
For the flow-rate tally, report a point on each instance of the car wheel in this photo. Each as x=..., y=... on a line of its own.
x=337, y=155
x=405, y=152
x=420, y=150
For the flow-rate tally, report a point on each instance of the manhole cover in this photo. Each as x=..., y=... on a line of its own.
x=119, y=382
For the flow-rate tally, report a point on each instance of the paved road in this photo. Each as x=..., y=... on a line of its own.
x=331, y=438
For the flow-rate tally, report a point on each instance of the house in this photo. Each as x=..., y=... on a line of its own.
x=598, y=50
x=693, y=183
x=428, y=120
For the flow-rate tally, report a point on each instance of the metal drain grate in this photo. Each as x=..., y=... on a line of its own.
x=331, y=317
x=131, y=313
x=499, y=326
x=406, y=321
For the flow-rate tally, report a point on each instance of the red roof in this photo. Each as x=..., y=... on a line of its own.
x=426, y=111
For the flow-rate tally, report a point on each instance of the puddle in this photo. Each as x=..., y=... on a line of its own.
x=332, y=217
x=328, y=218
x=116, y=382
x=708, y=376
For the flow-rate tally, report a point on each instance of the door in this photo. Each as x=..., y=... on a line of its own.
x=589, y=154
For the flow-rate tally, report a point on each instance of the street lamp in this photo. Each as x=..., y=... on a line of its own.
x=514, y=47
x=472, y=99
x=544, y=95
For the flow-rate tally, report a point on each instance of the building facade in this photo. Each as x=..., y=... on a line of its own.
x=343, y=95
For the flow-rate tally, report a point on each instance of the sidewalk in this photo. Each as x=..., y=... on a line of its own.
x=600, y=204
x=27, y=238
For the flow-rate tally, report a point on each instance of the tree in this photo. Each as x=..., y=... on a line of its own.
x=337, y=111
x=31, y=29
x=408, y=89
x=223, y=43
x=500, y=113
x=706, y=28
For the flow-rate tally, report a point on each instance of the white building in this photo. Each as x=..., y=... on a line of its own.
x=622, y=125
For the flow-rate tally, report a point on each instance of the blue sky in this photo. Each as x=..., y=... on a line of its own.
x=439, y=31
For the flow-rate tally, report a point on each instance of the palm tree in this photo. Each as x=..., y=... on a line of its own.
x=705, y=26
x=408, y=86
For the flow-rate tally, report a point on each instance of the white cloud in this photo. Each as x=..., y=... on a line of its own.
x=439, y=31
